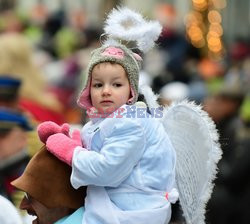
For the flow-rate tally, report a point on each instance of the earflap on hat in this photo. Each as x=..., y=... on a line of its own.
x=84, y=99
x=133, y=96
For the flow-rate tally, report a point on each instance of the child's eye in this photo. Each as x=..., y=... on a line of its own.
x=117, y=84
x=97, y=85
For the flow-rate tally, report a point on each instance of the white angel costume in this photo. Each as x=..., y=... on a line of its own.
x=137, y=183
x=129, y=170
x=134, y=162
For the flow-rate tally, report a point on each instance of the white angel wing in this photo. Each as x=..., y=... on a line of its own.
x=195, y=139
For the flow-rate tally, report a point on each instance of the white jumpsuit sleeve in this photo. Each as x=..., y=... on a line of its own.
x=120, y=152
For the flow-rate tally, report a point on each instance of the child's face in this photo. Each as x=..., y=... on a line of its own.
x=110, y=87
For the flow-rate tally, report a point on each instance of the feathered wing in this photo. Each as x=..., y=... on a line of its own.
x=195, y=139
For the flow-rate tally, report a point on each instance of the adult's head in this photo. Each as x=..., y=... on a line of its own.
x=13, y=136
x=226, y=102
x=49, y=194
x=174, y=91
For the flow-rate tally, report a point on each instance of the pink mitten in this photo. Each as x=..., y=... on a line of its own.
x=63, y=146
x=49, y=128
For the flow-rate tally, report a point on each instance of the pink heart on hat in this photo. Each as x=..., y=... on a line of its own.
x=113, y=52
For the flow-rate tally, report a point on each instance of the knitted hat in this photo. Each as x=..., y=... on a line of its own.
x=47, y=179
x=122, y=26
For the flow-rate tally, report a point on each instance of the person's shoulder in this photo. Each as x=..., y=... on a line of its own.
x=75, y=217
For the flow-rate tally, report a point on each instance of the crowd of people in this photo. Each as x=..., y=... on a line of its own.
x=42, y=64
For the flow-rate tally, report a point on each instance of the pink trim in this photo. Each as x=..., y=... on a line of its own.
x=131, y=100
x=137, y=57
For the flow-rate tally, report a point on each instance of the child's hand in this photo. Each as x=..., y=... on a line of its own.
x=49, y=128
x=63, y=146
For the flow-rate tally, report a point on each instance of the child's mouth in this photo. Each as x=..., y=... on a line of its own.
x=106, y=102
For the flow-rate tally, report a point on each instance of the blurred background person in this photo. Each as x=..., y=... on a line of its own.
x=13, y=148
x=14, y=153
x=232, y=182
x=174, y=48
x=16, y=61
x=9, y=92
x=173, y=91
x=9, y=101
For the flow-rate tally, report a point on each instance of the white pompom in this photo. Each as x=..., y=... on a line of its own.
x=173, y=195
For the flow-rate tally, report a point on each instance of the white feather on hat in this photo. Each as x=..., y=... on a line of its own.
x=125, y=24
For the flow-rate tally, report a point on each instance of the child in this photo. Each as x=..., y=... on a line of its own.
x=125, y=156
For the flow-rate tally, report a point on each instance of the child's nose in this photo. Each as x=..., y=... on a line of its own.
x=106, y=90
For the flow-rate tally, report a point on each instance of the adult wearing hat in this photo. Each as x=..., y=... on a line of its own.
x=13, y=148
x=10, y=99
x=49, y=194
x=13, y=139
x=9, y=91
